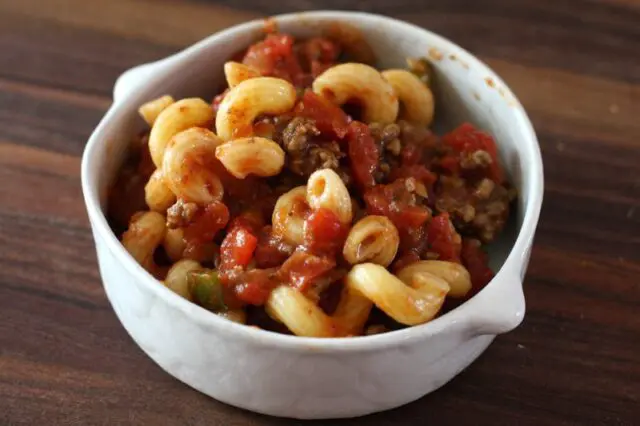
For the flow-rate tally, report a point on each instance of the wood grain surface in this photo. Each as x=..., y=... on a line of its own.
x=575, y=65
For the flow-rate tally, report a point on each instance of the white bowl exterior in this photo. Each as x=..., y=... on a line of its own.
x=298, y=377
x=308, y=384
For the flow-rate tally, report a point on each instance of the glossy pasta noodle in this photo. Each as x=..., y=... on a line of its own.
x=310, y=197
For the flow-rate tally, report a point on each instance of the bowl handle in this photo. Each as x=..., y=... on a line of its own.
x=498, y=308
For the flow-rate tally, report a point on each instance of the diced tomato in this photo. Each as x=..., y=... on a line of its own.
x=318, y=54
x=271, y=250
x=207, y=222
x=254, y=286
x=396, y=202
x=476, y=262
x=443, y=238
x=251, y=220
x=411, y=154
x=419, y=172
x=450, y=163
x=467, y=139
x=329, y=118
x=319, y=49
x=274, y=57
x=363, y=154
x=237, y=248
x=302, y=269
x=323, y=232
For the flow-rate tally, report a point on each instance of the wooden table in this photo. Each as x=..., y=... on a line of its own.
x=65, y=359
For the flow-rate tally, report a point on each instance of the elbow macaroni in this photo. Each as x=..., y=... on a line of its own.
x=187, y=166
x=288, y=215
x=348, y=82
x=414, y=95
x=182, y=115
x=250, y=99
x=150, y=111
x=253, y=155
x=372, y=239
x=236, y=73
x=146, y=232
x=326, y=190
x=411, y=302
x=177, y=278
x=157, y=193
x=177, y=249
x=455, y=274
x=413, y=297
x=174, y=244
x=304, y=318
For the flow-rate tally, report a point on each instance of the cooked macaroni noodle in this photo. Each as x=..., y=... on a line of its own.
x=187, y=166
x=146, y=232
x=253, y=155
x=414, y=95
x=326, y=190
x=411, y=302
x=150, y=111
x=179, y=116
x=304, y=318
x=362, y=83
x=236, y=73
x=176, y=247
x=319, y=204
x=174, y=244
x=288, y=215
x=157, y=193
x=453, y=273
x=250, y=99
x=177, y=277
x=372, y=239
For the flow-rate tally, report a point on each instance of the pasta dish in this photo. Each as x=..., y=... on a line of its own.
x=310, y=196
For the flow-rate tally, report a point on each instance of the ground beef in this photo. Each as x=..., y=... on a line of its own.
x=478, y=209
x=307, y=153
x=181, y=214
x=479, y=159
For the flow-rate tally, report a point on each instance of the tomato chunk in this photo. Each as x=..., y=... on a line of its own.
x=323, y=232
x=443, y=238
x=317, y=55
x=271, y=250
x=329, y=118
x=274, y=57
x=252, y=287
x=419, y=172
x=398, y=203
x=206, y=223
x=237, y=248
x=363, y=154
x=467, y=139
x=477, y=263
x=302, y=269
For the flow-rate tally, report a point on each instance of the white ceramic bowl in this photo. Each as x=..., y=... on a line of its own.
x=307, y=377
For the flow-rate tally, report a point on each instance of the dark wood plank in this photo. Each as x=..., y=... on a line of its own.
x=65, y=359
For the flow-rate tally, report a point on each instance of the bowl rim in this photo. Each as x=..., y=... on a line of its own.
x=396, y=338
